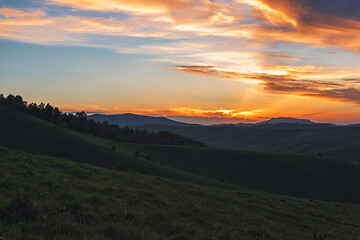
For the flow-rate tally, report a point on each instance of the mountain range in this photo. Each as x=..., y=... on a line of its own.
x=287, y=135
x=287, y=120
x=134, y=120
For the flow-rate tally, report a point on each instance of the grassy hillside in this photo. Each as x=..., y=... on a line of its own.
x=25, y=132
x=342, y=143
x=50, y=198
x=294, y=175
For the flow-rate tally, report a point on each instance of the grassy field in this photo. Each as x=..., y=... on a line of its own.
x=342, y=143
x=293, y=175
x=50, y=198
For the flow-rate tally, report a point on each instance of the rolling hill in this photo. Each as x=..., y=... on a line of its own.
x=59, y=199
x=25, y=132
x=286, y=174
x=294, y=175
x=288, y=135
x=342, y=143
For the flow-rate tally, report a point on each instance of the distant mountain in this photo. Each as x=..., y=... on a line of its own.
x=281, y=122
x=133, y=120
x=287, y=120
x=353, y=125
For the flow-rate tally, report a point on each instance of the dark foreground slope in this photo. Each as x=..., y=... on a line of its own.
x=342, y=143
x=49, y=198
x=294, y=175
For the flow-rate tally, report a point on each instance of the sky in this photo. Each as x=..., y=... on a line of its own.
x=202, y=61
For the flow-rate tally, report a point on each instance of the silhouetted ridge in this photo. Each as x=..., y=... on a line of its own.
x=133, y=120
x=80, y=122
x=287, y=120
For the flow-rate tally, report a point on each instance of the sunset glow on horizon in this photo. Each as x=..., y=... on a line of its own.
x=201, y=61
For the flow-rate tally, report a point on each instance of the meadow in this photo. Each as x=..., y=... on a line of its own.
x=287, y=174
x=51, y=198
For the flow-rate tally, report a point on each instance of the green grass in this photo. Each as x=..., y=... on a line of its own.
x=293, y=175
x=50, y=198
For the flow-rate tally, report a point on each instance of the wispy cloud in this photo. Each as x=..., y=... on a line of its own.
x=292, y=83
x=300, y=21
x=271, y=21
x=316, y=23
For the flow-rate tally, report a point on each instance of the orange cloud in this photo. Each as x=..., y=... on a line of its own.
x=173, y=17
x=137, y=6
x=280, y=20
x=215, y=116
x=182, y=13
x=37, y=27
x=304, y=22
x=21, y=18
x=290, y=84
x=182, y=111
x=14, y=13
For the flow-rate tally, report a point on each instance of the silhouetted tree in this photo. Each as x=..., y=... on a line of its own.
x=2, y=99
x=79, y=122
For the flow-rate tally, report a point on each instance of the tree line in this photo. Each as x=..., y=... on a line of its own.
x=79, y=122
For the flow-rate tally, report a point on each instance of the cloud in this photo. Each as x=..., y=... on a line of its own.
x=290, y=84
x=36, y=26
x=209, y=120
x=175, y=18
x=173, y=9
x=134, y=6
x=229, y=115
x=15, y=18
x=29, y=26
x=353, y=80
x=318, y=23
x=203, y=35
